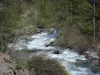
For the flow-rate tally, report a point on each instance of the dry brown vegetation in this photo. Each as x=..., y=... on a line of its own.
x=45, y=66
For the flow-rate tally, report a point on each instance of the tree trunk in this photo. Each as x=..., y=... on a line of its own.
x=94, y=24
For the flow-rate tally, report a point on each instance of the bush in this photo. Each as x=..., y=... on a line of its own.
x=45, y=66
x=19, y=65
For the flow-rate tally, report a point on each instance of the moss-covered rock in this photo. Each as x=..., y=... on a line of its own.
x=45, y=66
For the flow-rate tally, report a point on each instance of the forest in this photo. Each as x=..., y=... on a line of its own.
x=78, y=22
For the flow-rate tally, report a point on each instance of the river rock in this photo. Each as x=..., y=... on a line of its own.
x=39, y=30
x=95, y=69
x=91, y=55
x=57, y=52
x=51, y=44
x=95, y=60
x=79, y=61
x=80, y=48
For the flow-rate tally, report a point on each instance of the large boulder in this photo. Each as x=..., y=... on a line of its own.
x=91, y=55
x=57, y=52
x=79, y=61
x=7, y=66
x=80, y=48
x=94, y=59
x=82, y=63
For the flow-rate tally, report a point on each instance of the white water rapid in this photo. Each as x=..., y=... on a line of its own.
x=67, y=57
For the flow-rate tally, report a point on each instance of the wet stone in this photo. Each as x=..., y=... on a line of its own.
x=56, y=52
x=95, y=69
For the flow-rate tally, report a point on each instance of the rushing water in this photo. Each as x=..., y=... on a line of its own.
x=67, y=57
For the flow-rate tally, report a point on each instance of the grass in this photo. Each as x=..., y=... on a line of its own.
x=45, y=66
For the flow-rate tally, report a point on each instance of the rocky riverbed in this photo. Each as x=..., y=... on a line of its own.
x=75, y=63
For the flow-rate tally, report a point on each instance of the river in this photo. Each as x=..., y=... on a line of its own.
x=67, y=57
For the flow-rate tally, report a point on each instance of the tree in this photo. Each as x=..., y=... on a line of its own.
x=12, y=25
x=94, y=24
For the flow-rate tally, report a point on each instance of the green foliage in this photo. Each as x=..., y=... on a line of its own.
x=19, y=65
x=13, y=22
x=98, y=20
x=9, y=17
x=19, y=17
x=73, y=14
x=45, y=66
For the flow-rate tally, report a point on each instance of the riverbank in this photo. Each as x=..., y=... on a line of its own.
x=11, y=67
x=32, y=64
